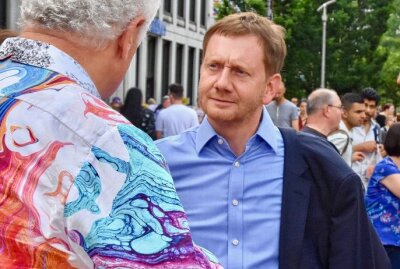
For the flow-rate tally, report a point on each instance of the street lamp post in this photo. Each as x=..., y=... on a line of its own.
x=269, y=10
x=324, y=20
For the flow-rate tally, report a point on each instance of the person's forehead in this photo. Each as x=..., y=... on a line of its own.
x=336, y=99
x=369, y=102
x=218, y=45
x=357, y=107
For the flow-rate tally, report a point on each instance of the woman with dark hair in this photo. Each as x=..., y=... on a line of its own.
x=383, y=196
x=141, y=117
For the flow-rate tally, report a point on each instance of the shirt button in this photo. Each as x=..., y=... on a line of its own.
x=235, y=202
x=237, y=164
x=235, y=242
x=220, y=141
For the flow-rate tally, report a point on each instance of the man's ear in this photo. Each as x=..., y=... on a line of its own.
x=128, y=40
x=345, y=114
x=274, y=82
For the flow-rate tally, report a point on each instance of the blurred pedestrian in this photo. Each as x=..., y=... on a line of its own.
x=383, y=196
x=177, y=117
x=302, y=113
x=367, y=137
x=324, y=111
x=141, y=117
x=152, y=104
x=282, y=112
x=353, y=116
x=295, y=101
x=387, y=109
x=116, y=103
x=165, y=102
x=389, y=121
x=398, y=79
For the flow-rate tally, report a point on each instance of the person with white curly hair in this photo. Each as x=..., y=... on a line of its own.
x=81, y=187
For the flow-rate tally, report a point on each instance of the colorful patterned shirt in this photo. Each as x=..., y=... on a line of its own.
x=80, y=187
x=382, y=205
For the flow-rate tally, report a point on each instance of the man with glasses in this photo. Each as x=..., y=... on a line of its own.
x=324, y=110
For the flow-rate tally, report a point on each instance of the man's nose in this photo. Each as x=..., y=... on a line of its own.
x=224, y=79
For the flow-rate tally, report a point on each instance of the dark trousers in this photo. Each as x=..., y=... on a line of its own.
x=394, y=255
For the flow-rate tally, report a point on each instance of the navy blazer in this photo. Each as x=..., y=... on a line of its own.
x=323, y=221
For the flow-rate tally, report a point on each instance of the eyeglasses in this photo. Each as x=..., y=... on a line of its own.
x=339, y=107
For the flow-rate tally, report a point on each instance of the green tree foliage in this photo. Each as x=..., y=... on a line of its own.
x=226, y=7
x=354, y=29
x=389, y=49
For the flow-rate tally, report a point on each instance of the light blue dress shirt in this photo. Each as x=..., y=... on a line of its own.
x=233, y=202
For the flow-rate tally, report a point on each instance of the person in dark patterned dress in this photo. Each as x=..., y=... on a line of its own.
x=141, y=117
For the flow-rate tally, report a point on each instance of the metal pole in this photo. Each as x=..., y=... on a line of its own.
x=324, y=21
x=269, y=10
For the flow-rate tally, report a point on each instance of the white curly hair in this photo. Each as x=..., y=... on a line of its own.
x=96, y=21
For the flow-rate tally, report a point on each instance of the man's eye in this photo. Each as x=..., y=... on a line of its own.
x=213, y=66
x=240, y=72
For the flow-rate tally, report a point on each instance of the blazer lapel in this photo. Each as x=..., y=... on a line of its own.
x=295, y=200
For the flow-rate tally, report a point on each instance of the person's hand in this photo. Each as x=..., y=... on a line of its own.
x=357, y=156
x=370, y=146
x=382, y=150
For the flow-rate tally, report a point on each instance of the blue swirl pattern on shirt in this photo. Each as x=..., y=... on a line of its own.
x=146, y=216
x=89, y=188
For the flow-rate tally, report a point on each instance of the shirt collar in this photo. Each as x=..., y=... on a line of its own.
x=267, y=131
x=44, y=55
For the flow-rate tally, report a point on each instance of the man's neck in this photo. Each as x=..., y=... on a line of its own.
x=280, y=101
x=367, y=125
x=177, y=102
x=347, y=124
x=323, y=130
x=237, y=134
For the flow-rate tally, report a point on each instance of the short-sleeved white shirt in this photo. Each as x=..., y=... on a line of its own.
x=175, y=119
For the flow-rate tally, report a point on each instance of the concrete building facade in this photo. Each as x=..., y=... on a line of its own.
x=171, y=53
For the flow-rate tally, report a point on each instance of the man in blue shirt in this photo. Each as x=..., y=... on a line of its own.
x=250, y=195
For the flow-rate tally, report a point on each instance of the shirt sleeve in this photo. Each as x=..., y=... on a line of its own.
x=160, y=122
x=339, y=140
x=294, y=114
x=384, y=168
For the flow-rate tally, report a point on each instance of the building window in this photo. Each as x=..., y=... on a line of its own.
x=179, y=63
x=165, y=67
x=200, y=61
x=203, y=13
x=192, y=13
x=137, y=59
x=167, y=6
x=151, y=64
x=3, y=17
x=181, y=9
x=190, y=81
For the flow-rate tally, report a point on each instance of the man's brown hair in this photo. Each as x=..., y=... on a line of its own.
x=271, y=36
